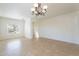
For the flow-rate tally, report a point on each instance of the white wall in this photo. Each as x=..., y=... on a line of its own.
x=64, y=27
x=3, y=28
x=28, y=28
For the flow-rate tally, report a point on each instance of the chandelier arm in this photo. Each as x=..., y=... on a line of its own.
x=39, y=10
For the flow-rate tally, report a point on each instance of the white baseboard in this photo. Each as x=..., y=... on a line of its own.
x=73, y=42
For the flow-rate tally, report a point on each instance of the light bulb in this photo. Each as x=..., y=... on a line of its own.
x=45, y=7
x=43, y=11
x=36, y=5
x=32, y=9
x=35, y=12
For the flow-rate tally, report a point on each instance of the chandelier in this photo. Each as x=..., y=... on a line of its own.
x=38, y=9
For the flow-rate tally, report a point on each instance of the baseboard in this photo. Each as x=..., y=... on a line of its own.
x=60, y=40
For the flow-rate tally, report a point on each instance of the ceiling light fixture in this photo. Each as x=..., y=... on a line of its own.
x=38, y=9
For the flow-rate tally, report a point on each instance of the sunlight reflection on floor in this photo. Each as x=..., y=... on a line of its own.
x=13, y=47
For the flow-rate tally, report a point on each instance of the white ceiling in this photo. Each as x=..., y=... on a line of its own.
x=21, y=10
x=55, y=9
x=15, y=10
